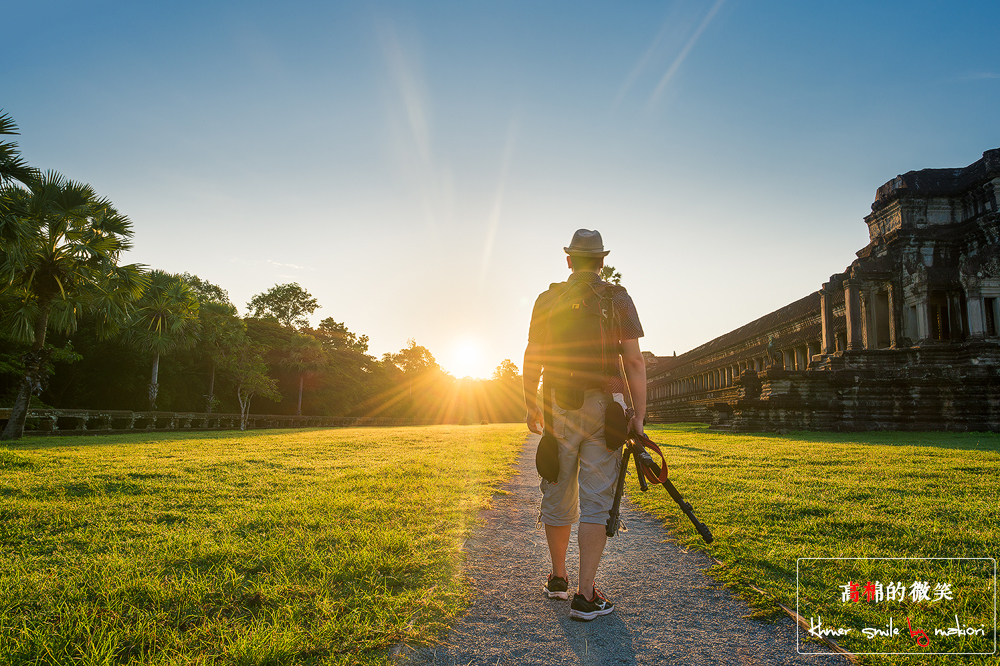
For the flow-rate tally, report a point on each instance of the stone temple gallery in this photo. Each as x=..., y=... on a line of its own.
x=906, y=338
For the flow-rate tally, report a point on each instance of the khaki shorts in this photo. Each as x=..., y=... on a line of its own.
x=587, y=470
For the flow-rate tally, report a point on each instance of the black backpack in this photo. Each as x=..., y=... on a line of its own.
x=580, y=350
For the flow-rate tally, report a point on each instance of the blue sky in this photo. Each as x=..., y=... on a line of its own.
x=418, y=166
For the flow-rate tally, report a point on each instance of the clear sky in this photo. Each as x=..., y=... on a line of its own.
x=418, y=166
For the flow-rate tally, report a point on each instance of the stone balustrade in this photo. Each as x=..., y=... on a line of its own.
x=108, y=421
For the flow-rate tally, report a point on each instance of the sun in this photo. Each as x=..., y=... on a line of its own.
x=465, y=359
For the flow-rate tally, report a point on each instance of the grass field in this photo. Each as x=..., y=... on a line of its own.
x=279, y=547
x=330, y=546
x=770, y=499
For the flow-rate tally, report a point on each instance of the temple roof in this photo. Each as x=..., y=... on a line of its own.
x=940, y=182
x=804, y=307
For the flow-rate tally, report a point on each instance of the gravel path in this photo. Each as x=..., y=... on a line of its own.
x=667, y=611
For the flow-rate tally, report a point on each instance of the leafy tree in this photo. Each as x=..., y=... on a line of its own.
x=62, y=262
x=166, y=319
x=506, y=371
x=245, y=364
x=205, y=291
x=350, y=375
x=288, y=304
x=412, y=359
x=220, y=331
x=219, y=324
x=303, y=357
x=335, y=337
x=609, y=274
x=12, y=166
x=418, y=386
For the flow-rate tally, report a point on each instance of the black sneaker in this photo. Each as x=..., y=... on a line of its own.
x=555, y=587
x=585, y=610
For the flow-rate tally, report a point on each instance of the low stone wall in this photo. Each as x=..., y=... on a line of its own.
x=935, y=387
x=97, y=421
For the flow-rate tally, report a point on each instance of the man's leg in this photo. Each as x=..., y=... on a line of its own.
x=598, y=473
x=561, y=501
x=592, y=538
x=557, y=537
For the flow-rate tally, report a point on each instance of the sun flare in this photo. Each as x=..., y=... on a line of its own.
x=465, y=359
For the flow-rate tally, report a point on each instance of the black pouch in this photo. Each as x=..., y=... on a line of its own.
x=547, y=458
x=615, y=426
x=570, y=398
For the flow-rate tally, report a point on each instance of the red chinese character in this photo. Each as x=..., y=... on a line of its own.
x=870, y=591
x=855, y=592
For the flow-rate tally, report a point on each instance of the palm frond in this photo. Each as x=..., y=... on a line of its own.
x=64, y=314
x=20, y=324
x=12, y=166
x=7, y=125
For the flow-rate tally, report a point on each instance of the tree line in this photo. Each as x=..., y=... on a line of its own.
x=79, y=329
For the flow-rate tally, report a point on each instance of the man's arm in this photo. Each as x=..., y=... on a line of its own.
x=635, y=375
x=531, y=372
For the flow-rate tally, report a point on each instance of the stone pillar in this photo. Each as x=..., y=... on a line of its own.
x=47, y=423
x=812, y=350
x=869, y=332
x=828, y=342
x=852, y=308
x=895, y=317
x=955, y=316
x=974, y=310
x=923, y=320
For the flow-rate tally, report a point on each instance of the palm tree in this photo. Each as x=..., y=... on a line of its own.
x=166, y=318
x=61, y=262
x=12, y=167
x=304, y=356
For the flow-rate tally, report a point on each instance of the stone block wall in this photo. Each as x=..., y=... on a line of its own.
x=944, y=387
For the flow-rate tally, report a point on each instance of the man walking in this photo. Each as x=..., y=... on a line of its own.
x=582, y=332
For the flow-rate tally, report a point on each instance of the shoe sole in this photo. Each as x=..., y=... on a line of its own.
x=557, y=595
x=587, y=617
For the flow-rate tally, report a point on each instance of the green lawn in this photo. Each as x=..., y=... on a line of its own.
x=771, y=499
x=279, y=547
x=330, y=546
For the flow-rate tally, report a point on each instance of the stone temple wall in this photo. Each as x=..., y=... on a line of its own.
x=906, y=338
